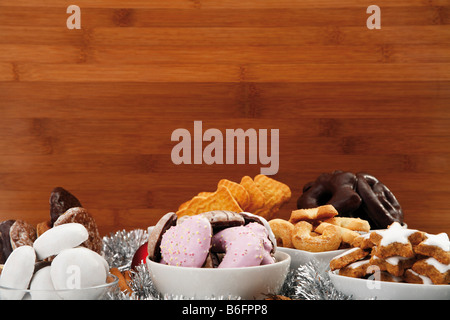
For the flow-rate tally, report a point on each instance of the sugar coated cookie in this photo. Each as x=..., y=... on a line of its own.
x=187, y=244
x=58, y=238
x=17, y=272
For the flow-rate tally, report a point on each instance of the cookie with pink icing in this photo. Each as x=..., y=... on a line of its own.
x=187, y=244
x=244, y=246
x=261, y=231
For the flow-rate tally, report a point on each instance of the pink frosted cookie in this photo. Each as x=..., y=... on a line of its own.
x=243, y=247
x=187, y=244
x=263, y=234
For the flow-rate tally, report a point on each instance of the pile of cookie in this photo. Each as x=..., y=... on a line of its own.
x=317, y=229
x=214, y=239
x=397, y=254
x=38, y=258
x=359, y=195
x=262, y=196
x=64, y=208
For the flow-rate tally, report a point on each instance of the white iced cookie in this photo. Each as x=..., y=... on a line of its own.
x=17, y=272
x=58, y=238
x=78, y=268
x=42, y=286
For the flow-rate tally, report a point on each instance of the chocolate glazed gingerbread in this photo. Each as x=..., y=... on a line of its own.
x=337, y=189
x=5, y=242
x=61, y=200
x=379, y=203
x=357, y=196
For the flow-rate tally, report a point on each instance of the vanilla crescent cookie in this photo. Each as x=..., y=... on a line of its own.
x=282, y=229
x=330, y=239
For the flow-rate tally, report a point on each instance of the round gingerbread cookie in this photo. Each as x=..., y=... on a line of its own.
x=21, y=234
x=81, y=216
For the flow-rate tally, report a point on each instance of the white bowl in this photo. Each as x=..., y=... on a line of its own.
x=205, y=283
x=301, y=257
x=381, y=290
x=92, y=293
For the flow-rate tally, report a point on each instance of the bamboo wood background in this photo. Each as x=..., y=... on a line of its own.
x=92, y=110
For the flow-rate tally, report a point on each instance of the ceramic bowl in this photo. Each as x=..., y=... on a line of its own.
x=361, y=289
x=91, y=293
x=301, y=257
x=206, y=283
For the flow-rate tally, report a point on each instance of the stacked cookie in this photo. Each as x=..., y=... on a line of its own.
x=262, y=196
x=317, y=229
x=214, y=239
x=358, y=195
x=397, y=254
x=64, y=208
x=38, y=258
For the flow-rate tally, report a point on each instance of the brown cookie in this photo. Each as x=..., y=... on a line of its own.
x=81, y=216
x=221, y=219
x=60, y=201
x=22, y=233
x=348, y=257
x=154, y=238
x=5, y=242
x=42, y=227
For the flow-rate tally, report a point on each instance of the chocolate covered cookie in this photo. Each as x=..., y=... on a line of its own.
x=221, y=219
x=5, y=242
x=155, y=236
x=337, y=189
x=61, y=200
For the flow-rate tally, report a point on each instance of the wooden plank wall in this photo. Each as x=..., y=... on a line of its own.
x=93, y=110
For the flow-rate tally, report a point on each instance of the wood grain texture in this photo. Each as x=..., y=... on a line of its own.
x=92, y=110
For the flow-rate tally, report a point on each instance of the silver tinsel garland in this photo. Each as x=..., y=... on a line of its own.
x=308, y=282
x=119, y=247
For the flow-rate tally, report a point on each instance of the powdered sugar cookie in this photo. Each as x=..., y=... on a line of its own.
x=436, y=246
x=395, y=265
x=356, y=269
x=438, y=272
x=396, y=241
x=411, y=276
x=363, y=241
x=346, y=258
x=81, y=216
